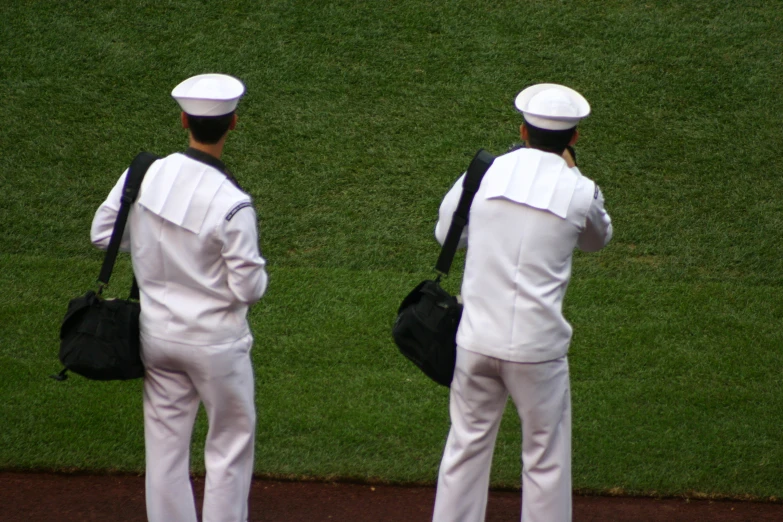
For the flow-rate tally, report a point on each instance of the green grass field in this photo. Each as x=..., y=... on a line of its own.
x=358, y=117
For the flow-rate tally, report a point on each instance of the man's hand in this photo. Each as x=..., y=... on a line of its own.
x=569, y=155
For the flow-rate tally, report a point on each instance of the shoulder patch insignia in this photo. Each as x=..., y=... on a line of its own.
x=597, y=191
x=237, y=208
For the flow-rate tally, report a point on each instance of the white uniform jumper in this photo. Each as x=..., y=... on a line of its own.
x=194, y=245
x=529, y=214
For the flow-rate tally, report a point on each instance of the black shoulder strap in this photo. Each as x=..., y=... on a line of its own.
x=478, y=167
x=138, y=169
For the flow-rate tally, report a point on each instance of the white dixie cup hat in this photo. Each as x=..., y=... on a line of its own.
x=209, y=94
x=551, y=106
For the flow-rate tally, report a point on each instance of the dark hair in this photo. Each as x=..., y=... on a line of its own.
x=549, y=140
x=209, y=129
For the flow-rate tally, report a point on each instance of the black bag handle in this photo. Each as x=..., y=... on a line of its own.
x=470, y=185
x=138, y=168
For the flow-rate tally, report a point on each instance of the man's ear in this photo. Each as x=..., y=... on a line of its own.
x=574, y=138
x=233, y=124
x=523, y=132
x=185, y=123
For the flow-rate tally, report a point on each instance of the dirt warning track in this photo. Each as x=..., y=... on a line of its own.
x=40, y=497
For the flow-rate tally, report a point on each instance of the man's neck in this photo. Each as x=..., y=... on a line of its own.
x=215, y=150
x=566, y=154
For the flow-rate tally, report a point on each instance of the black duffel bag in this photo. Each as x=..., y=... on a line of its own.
x=425, y=330
x=99, y=338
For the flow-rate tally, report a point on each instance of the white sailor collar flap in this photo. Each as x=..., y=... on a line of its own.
x=536, y=178
x=182, y=191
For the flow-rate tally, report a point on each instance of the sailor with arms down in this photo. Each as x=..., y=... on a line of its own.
x=193, y=239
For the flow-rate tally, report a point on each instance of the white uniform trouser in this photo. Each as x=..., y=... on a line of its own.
x=178, y=377
x=541, y=394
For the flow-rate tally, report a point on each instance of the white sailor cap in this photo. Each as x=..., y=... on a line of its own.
x=209, y=94
x=551, y=106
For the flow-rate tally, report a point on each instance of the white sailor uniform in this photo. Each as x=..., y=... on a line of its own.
x=529, y=214
x=193, y=240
